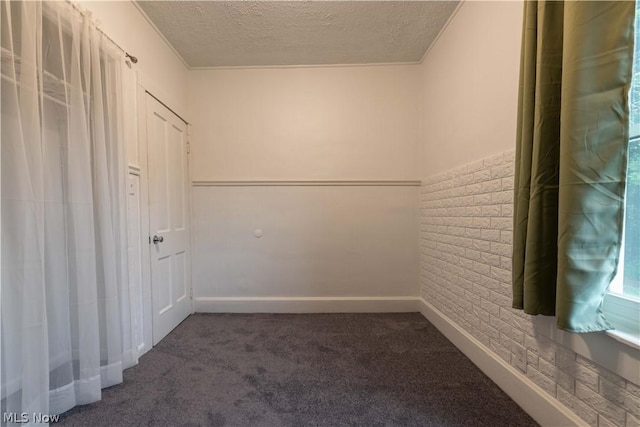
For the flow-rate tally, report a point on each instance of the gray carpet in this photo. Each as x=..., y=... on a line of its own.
x=303, y=370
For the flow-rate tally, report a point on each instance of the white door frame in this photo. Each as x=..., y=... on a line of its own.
x=146, y=86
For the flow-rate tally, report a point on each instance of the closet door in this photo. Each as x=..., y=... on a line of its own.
x=168, y=218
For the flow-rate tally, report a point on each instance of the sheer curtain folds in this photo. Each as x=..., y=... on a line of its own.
x=571, y=158
x=64, y=294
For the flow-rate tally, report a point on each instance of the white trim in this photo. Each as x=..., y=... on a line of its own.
x=309, y=183
x=541, y=406
x=147, y=309
x=401, y=304
x=192, y=231
x=261, y=67
x=442, y=30
x=135, y=259
x=159, y=33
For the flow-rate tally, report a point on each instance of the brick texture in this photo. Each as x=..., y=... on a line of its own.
x=465, y=248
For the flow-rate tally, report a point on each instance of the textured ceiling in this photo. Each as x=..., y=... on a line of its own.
x=263, y=33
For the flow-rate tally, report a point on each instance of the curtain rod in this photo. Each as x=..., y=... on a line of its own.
x=85, y=13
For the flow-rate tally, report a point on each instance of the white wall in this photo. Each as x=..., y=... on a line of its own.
x=470, y=84
x=469, y=129
x=305, y=124
x=318, y=241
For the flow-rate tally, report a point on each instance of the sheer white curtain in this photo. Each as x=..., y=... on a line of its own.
x=64, y=296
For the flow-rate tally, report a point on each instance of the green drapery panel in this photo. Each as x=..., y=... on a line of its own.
x=571, y=157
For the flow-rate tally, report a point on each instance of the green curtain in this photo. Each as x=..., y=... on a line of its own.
x=571, y=157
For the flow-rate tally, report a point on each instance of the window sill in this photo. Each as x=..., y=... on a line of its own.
x=613, y=350
x=625, y=338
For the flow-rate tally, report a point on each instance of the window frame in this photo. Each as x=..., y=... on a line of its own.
x=622, y=311
x=624, y=314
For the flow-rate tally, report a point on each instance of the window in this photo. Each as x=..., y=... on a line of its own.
x=622, y=305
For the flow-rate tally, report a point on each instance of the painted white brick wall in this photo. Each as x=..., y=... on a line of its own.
x=465, y=247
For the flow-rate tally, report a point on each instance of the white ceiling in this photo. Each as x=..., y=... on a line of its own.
x=265, y=33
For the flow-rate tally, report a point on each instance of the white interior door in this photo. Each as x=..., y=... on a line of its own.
x=168, y=218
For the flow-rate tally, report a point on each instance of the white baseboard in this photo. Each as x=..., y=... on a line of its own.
x=143, y=348
x=543, y=408
x=306, y=304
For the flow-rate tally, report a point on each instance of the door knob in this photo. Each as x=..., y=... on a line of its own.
x=158, y=239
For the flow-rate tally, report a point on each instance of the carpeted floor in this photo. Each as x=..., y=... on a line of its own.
x=303, y=370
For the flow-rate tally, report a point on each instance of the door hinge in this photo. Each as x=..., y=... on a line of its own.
x=149, y=239
x=191, y=293
x=188, y=147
